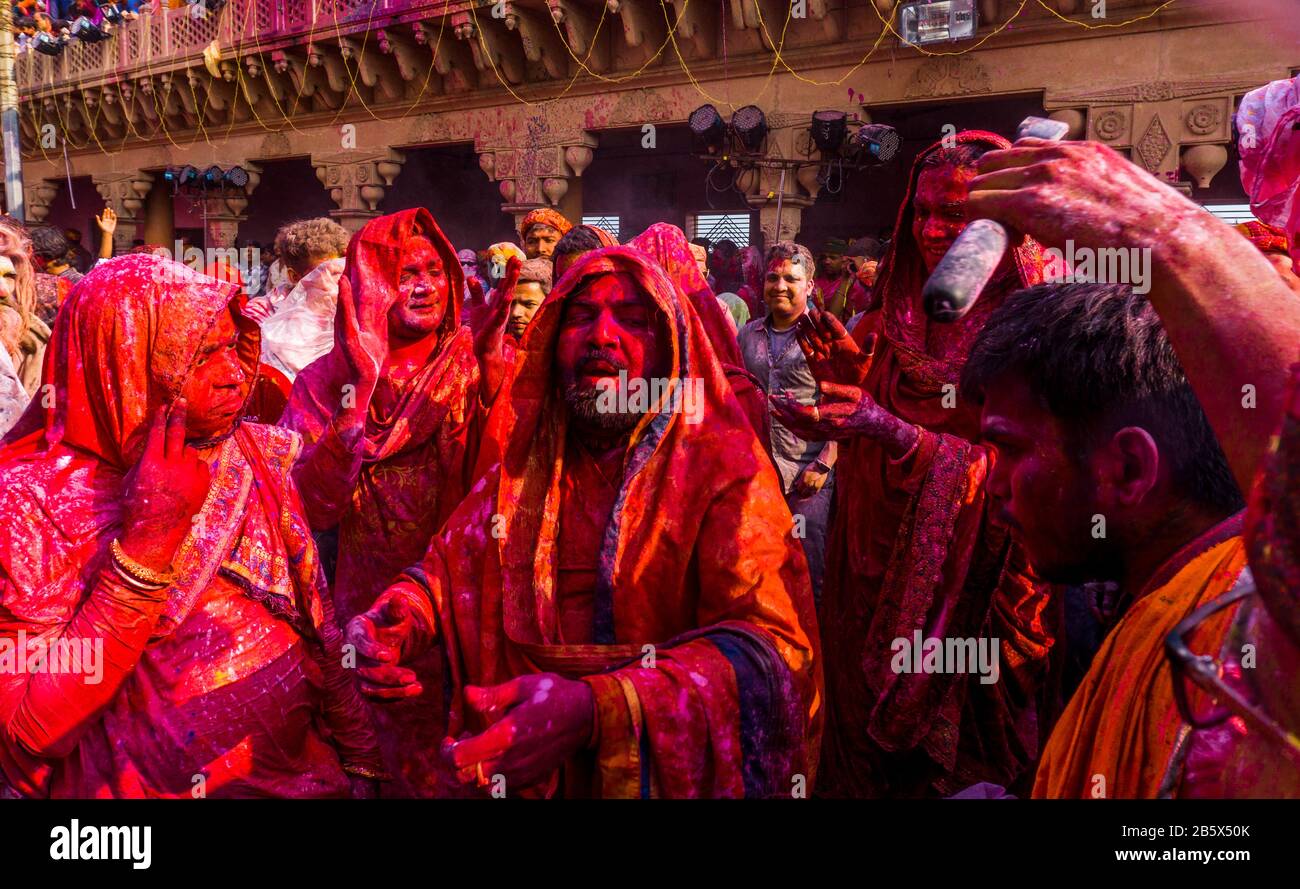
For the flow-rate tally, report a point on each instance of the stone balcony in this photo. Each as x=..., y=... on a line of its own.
x=324, y=54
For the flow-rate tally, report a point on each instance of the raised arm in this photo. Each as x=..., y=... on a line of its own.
x=1233, y=322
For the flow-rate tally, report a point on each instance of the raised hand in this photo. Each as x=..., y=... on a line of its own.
x=476, y=297
x=490, y=338
x=164, y=492
x=363, y=351
x=535, y=723
x=107, y=221
x=1081, y=191
x=832, y=354
x=844, y=412
x=382, y=637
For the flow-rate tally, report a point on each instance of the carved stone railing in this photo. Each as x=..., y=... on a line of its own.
x=173, y=36
x=522, y=37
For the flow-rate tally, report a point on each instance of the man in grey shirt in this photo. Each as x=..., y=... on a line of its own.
x=772, y=354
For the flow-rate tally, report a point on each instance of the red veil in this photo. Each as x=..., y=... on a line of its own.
x=667, y=244
x=126, y=341
x=910, y=547
x=698, y=560
x=389, y=487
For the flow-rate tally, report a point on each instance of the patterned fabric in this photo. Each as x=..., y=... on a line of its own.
x=1122, y=723
x=234, y=672
x=1268, y=238
x=911, y=546
x=1269, y=144
x=389, y=487
x=697, y=559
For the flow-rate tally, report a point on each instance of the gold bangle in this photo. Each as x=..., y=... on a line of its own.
x=135, y=583
x=367, y=772
x=138, y=571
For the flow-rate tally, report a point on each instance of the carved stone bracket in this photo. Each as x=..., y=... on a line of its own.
x=356, y=181
x=37, y=198
x=539, y=174
x=124, y=192
x=1161, y=122
x=223, y=213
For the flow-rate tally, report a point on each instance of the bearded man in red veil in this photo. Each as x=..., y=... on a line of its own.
x=623, y=606
x=912, y=549
x=391, y=419
x=165, y=630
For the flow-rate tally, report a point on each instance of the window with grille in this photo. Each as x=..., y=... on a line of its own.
x=608, y=223
x=716, y=227
x=1231, y=213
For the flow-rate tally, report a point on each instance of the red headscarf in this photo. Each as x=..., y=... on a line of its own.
x=1268, y=120
x=910, y=547
x=367, y=292
x=697, y=549
x=669, y=247
x=141, y=319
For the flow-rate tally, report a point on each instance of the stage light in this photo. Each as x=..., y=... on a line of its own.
x=211, y=6
x=236, y=177
x=112, y=14
x=87, y=31
x=828, y=129
x=875, y=143
x=937, y=21
x=708, y=128
x=44, y=43
x=212, y=176
x=188, y=175
x=750, y=126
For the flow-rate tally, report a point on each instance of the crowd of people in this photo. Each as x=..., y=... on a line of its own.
x=568, y=517
x=48, y=26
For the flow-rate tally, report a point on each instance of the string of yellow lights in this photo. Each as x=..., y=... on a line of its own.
x=583, y=67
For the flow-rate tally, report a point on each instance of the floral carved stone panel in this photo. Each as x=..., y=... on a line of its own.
x=1154, y=145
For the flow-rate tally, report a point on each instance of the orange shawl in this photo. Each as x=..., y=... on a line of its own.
x=698, y=560
x=1115, y=738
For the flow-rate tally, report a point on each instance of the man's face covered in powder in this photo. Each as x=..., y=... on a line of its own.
x=611, y=326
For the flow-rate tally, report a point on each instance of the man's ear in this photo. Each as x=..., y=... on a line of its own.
x=1129, y=466
x=292, y=275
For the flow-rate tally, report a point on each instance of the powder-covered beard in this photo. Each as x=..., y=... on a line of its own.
x=585, y=404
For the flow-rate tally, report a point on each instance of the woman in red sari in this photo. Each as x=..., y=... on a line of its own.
x=911, y=543
x=668, y=246
x=390, y=418
x=150, y=529
x=646, y=573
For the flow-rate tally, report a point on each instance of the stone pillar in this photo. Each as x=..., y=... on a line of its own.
x=545, y=173
x=778, y=181
x=356, y=181
x=37, y=198
x=125, y=192
x=160, y=216
x=224, y=212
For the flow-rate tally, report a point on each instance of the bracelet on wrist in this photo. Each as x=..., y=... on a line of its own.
x=142, y=575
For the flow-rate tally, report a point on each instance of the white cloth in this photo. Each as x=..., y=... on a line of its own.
x=302, y=328
x=13, y=397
